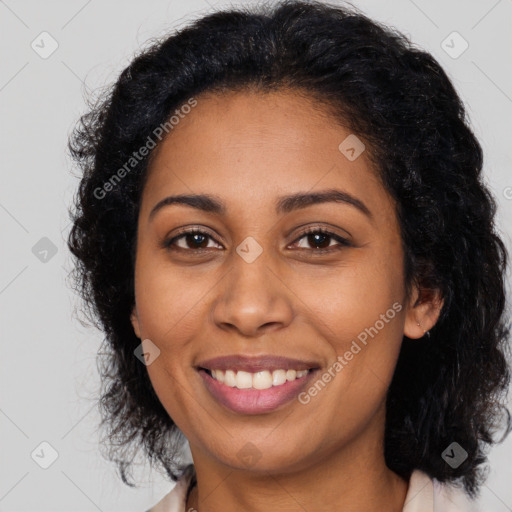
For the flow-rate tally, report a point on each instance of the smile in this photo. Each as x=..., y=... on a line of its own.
x=255, y=385
x=260, y=380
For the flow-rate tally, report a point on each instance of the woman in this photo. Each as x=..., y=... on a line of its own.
x=283, y=231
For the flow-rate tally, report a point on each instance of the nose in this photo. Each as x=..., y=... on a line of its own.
x=253, y=299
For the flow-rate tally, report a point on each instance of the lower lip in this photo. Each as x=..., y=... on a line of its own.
x=255, y=401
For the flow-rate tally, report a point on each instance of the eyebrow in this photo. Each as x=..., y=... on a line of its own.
x=286, y=204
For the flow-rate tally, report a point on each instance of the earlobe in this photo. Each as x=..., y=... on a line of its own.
x=423, y=314
x=135, y=322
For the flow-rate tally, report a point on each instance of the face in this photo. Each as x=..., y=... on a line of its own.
x=277, y=302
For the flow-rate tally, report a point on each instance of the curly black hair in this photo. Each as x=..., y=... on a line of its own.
x=397, y=99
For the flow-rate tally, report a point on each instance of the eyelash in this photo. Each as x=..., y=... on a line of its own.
x=343, y=242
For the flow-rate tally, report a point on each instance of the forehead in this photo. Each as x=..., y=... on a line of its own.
x=255, y=146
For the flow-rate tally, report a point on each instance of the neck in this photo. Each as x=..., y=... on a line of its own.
x=352, y=478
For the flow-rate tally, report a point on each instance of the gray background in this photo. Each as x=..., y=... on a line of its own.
x=48, y=376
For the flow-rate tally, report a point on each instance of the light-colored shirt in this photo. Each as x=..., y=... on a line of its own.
x=423, y=495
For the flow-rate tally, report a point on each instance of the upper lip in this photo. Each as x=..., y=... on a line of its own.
x=255, y=364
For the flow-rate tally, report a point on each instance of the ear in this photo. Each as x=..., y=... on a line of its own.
x=423, y=312
x=134, y=318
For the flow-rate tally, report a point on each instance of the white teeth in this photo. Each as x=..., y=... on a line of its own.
x=262, y=380
x=229, y=378
x=219, y=375
x=258, y=380
x=291, y=374
x=278, y=377
x=243, y=380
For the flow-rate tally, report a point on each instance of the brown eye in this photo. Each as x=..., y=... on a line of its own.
x=320, y=240
x=193, y=239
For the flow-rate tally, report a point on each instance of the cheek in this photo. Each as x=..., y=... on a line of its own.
x=359, y=312
x=170, y=307
x=168, y=302
x=169, y=383
x=347, y=303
